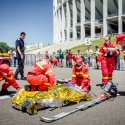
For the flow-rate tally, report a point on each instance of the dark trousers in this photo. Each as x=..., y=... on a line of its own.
x=15, y=58
x=20, y=68
x=97, y=65
x=117, y=62
x=67, y=61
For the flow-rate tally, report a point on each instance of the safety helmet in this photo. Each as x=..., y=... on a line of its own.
x=77, y=59
x=44, y=65
x=4, y=68
x=119, y=38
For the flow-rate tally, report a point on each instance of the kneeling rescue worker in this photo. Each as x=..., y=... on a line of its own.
x=7, y=75
x=80, y=74
x=41, y=76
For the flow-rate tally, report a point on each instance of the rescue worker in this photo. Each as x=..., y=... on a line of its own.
x=7, y=75
x=70, y=57
x=40, y=76
x=106, y=57
x=121, y=41
x=80, y=74
x=54, y=60
x=46, y=55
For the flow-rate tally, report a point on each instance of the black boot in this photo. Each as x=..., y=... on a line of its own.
x=27, y=87
x=4, y=92
x=15, y=76
x=23, y=78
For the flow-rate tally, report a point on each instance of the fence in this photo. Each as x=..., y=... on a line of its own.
x=30, y=59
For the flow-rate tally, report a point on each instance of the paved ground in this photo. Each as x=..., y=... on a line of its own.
x=106, y=113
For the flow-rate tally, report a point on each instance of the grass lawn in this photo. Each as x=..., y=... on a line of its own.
x=98, y=42
x=83, y=47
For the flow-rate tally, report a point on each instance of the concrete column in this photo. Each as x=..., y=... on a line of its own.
x=82, y=20
x=68, y=20
x=63, y=24
x=55, y=31
x=119, y=16
x=56, y=27
x=74, y=20
x=105, y=9
x=59, y=25
x=92, y=18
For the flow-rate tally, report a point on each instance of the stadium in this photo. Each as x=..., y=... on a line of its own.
x=78, y=20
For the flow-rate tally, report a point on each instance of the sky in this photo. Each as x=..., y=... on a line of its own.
x=34, y=17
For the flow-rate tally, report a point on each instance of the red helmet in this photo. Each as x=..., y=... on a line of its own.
x=77, y=59
x=4, y=68
x=45, y=64
x=119, y=38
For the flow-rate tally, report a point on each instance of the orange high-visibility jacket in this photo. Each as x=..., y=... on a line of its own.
x=123, y=48
x=103, y=51
x=7, y=75
x=80, y=76
x=41, y=70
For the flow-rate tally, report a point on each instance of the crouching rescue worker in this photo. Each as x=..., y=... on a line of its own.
x=106, y=57
x=41, y=76
x=54, y=61
x=80, y=74
x=7, y=75
x=120, y=39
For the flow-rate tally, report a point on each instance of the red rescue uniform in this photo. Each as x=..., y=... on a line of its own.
x=7, y=75
x=107, y=61
x=70, y=58
x=55, y=61
x=41, y=76
x=80, y=77
x=120, y=39
x=123, y=48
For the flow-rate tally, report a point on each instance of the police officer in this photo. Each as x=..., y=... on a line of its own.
x=20, y=56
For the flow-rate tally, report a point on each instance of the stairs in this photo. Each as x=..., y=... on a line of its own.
x=55, y=47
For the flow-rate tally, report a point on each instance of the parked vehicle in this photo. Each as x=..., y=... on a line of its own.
x=4, y=58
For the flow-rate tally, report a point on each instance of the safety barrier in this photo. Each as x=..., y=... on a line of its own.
x=30, y=59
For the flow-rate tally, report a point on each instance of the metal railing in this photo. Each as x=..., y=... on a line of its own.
x=31, y=59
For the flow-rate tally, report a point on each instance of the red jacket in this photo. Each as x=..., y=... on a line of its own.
x=44, y=68
x=70, y=57
x=55, y=60
x=123, y=48
x=80, y=76
x=7, y=75
x=103, y=51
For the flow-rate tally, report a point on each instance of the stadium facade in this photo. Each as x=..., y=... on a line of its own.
x=80, y=19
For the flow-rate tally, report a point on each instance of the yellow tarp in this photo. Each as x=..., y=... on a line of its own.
x=59, y=91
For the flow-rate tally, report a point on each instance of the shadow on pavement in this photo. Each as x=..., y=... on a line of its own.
x=10, y=93
x=121, y=93
x=101, y=85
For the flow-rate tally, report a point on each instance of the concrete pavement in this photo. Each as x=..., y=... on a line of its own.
x=106, y=113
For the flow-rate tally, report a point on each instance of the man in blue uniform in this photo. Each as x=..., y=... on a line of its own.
x=20, y=56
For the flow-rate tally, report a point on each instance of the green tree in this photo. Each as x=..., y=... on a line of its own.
x=5, y=47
